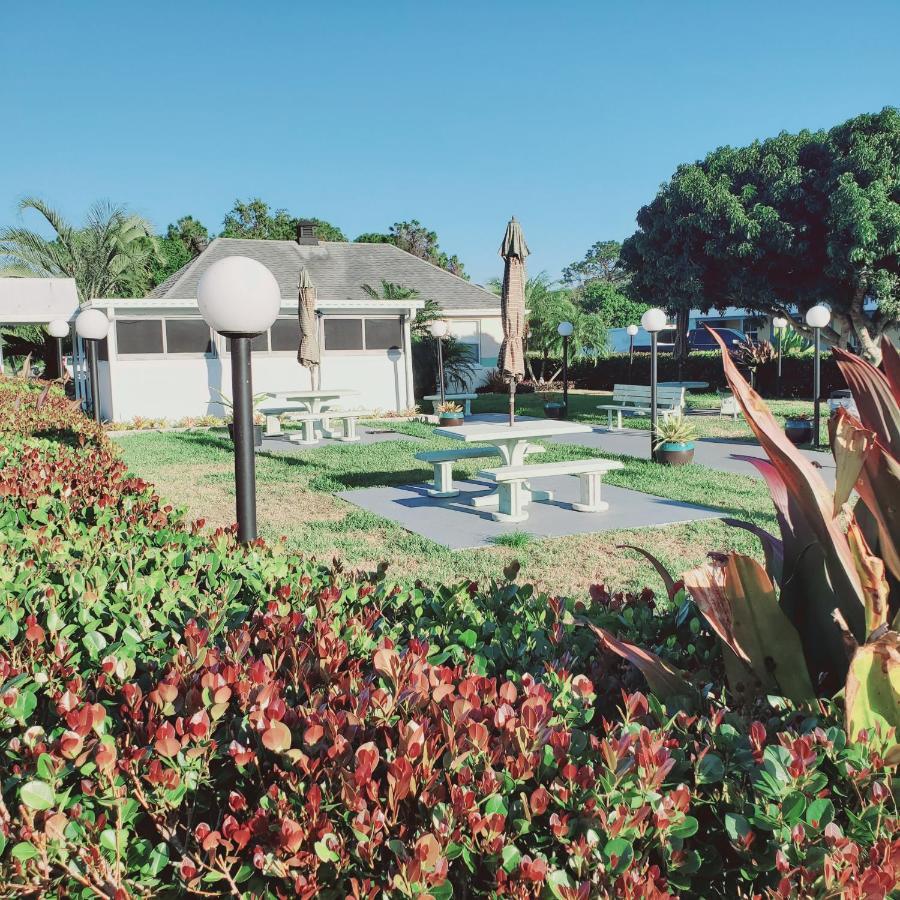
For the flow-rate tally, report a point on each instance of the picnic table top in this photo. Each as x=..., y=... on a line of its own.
x=451, y=396
x=687, y=385
x=323, y=394
x=490, y=432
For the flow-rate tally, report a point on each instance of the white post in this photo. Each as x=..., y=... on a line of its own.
x=407, y=360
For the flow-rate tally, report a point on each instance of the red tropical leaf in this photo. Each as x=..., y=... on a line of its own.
x=277, y=737
x=672, y=586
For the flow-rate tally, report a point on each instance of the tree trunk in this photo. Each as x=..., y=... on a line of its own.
x=682, y=320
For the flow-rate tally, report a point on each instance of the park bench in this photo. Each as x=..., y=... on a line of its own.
x=309, y=420
x=443, y=460
x=513, y=490
x=465, y=398
x=274, y=408
x=635, y=398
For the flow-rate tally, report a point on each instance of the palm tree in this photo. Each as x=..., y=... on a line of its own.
x=109, y=256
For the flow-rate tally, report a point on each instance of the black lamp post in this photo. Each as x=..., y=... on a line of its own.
x=240, y=299
x=438, y=332
x=565, y=329
x=92, y=326
x=779, y=324
x=653, y=320
x=817, y=317
x=58, y=329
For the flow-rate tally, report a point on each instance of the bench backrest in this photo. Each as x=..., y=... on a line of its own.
x=639, y=395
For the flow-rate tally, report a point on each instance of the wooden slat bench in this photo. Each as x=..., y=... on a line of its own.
x=513, y=490
x=635, y=398
x=443, y=460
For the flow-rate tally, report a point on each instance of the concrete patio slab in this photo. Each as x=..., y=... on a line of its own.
x=457, y=525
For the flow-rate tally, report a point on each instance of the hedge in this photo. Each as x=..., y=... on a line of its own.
x=797, y=373
x=183, y=715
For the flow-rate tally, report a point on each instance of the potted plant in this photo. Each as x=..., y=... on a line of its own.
x=450, y=413
x=799, y=428
x=675, y=441
x=258, y=418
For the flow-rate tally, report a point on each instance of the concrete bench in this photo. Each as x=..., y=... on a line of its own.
x=443, y=460
x=728, y=405
x=272, y=410
x=635, y=398
x=465, y=398
x=513, y=491
x=308, y=422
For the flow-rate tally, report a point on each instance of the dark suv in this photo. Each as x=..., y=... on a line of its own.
x=701, y=339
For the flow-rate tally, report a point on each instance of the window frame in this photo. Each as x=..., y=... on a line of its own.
x=365, y=351
x=165, y=355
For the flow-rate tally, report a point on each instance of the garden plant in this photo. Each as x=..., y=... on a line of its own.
x=182, y=715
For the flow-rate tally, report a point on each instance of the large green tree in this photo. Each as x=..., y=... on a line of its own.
x=780, y=226
x=110, y=255
x=615, y=308
x=183, y=241
x=255, y=219
x=415, y=238
x=602, y=262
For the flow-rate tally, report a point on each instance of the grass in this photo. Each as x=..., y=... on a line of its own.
x=702, y=409
x=296, y=500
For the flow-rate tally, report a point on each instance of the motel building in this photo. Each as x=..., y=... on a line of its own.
x=161, y=360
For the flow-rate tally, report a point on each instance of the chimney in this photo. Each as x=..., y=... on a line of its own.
x=306, y=232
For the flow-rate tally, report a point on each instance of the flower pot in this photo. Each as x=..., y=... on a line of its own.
x=452, y=419
x=799, y=431
x=257, y=434
x=674, y=454
x=554, y=410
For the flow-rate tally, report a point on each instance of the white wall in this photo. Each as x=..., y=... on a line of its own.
x=174, y=389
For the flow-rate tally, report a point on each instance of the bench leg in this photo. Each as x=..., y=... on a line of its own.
x=511, y=502
x=467, y=408
x=590, y=494
x=619, y=414
x=443, y=481
x=350, y=434
x=307, y=433
x=273, y=426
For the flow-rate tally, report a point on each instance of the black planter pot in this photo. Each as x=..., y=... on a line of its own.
x=672, y=454
x=554, y=410
x=449, y=421
x=799, y=431
x=257, y=434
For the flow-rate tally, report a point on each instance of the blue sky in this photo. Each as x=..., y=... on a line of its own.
x=567, y=115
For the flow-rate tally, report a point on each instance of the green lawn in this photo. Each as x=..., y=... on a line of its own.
x=703, y=411
x=295, y=499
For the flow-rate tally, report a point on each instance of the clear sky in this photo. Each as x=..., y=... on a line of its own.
x=566, y=114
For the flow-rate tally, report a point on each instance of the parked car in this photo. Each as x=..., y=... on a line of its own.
x=701, y=339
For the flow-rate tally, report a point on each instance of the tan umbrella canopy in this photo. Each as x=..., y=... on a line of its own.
x=308, y=352
x=511, y=361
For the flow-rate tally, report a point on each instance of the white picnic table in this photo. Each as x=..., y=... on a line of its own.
x=687, y=385
x=311, y=401
x=512, y=441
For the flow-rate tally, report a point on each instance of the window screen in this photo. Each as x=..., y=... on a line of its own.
x=382, y=334
x=188, y=336
x=139, y=336
x=259, y=344
x=343, y=334
x=285, y=335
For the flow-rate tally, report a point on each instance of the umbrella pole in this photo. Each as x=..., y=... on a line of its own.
x=512, y=401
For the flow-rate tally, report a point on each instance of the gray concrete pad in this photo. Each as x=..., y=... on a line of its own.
x=456, y=525
x=367, y=435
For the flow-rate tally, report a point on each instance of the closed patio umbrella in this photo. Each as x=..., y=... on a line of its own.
x=511, y=361
x=308, y=352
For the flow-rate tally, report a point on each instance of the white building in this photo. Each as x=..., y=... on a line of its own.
x=160, y=359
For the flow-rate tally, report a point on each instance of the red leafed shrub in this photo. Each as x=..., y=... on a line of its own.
x=180, y=715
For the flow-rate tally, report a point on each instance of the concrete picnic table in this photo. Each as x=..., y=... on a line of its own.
x=687, y=385
x=312, y=401
x=512, y=441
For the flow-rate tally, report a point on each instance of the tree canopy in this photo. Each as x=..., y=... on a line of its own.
x=183, y=241
x=615, y=308
x=415, y=238
x=110, y=255
x=255, y=219
x=601, y=263
x=780, y=226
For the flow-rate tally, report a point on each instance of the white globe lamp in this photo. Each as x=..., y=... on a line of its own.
x=238, y=296
x=818, y=316
x=632, y=330
x=653, y=320
x=438, y=329
x=565, y=329
x=779, y=323
x=58, y=328
x=92, y=325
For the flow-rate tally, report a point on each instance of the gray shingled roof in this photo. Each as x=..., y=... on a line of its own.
x=338, y=271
